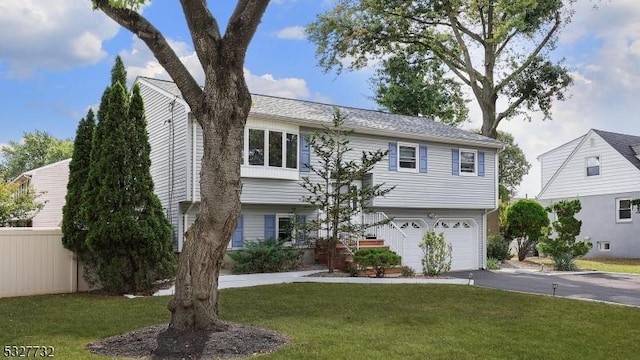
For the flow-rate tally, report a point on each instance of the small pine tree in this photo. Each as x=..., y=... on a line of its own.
x=563, y=247
x=74, y=227
x=335, y=194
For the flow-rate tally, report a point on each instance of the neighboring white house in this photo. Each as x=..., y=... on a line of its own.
x=50, y=180
x=602, y=170
x=445, y=178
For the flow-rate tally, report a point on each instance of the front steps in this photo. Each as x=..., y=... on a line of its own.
x=344, y=260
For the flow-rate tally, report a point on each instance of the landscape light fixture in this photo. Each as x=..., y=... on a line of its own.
x=470, y=278
x=555, y=286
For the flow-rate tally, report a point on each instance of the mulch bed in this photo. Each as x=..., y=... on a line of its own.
x=160, y=342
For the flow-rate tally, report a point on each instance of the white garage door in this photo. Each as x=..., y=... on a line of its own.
x=411, y=253
x=462, y=234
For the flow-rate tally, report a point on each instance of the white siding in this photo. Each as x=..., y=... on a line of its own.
x=52, y=181
x=617, y=174
x=169, y=171
x=551, y=161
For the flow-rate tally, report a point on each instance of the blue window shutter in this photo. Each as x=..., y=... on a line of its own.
x=423, y=159
x=480, y=163
x=302, y=236
x=238, y=234
x=455, y=162
x=305, y=154
x=393, y=156
x=270, y=226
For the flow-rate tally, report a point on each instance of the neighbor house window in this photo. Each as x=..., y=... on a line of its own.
x=468, y=162
x=623, y=210
x=407, y=157
x=604, y=246
x=593, y=166
x=276, y=149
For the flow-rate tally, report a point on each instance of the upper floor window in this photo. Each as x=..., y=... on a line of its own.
x=623, y=210
x=273, y=148
x=468, y=162
x=407, y=157
x=593, y=166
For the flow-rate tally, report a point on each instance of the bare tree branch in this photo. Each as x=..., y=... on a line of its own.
x=151, y=36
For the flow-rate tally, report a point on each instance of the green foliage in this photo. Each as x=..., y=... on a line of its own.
x=525, y=222
x=336, y=193
x=36, y=149
x=408, y=85
x=516, y=38
x=560, y=242
x=74, y=227
x=513, y=165
x=498, y=247
x=379, y=259
x=128, y=237
x=266, y=256
x=407, y=272
x=493, y=263
x=436, y=253
x=17, y=205
x=564, y=262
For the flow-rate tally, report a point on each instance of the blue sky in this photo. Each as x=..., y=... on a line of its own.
x=55, y=58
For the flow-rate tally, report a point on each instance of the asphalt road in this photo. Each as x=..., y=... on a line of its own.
x=608, y=287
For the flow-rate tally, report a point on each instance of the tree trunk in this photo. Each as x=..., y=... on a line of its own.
x=195, y=304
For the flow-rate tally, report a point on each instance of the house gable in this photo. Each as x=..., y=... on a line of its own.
x=615, y=172
x=553, y=159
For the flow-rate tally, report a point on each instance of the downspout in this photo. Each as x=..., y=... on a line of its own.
x=489, y=211
x=192, y=204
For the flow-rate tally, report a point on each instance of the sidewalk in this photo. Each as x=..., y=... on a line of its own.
x=247, y=280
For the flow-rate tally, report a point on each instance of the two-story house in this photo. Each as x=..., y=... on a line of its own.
x=50, y=182
x=445, y=178
x=602, y=170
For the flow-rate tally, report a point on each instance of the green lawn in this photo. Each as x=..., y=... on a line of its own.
x=629, y=266
x=346, y=321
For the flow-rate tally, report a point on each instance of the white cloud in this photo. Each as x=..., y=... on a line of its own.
x=292, y=33
x=54, y=35
x=140, y=61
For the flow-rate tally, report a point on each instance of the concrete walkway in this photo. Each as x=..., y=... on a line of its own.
x=247, y=280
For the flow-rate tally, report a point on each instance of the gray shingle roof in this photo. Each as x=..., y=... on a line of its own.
x=622, y=143
x=371, y=120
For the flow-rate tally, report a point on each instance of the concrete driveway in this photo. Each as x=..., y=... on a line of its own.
x=607, y=287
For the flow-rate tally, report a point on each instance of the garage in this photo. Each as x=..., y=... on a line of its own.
x=411, y=252
x=462, y=234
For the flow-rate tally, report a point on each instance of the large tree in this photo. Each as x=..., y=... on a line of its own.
x=36, y=149
x=498, y=48
x=513, y=164
x=406, y=84
x=221, y=108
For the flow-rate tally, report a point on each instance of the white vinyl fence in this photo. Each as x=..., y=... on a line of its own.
x=33, y=261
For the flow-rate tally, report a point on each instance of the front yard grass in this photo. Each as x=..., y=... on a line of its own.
x=348, y=321
x=629, y=266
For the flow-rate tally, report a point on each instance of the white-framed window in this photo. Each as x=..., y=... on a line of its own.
x=592, y=166
x=407, y=157
x=604, y=246
x=270, y=150
x=623, y=210
x=468, y=162
x=284, y=227
x=273, y=148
